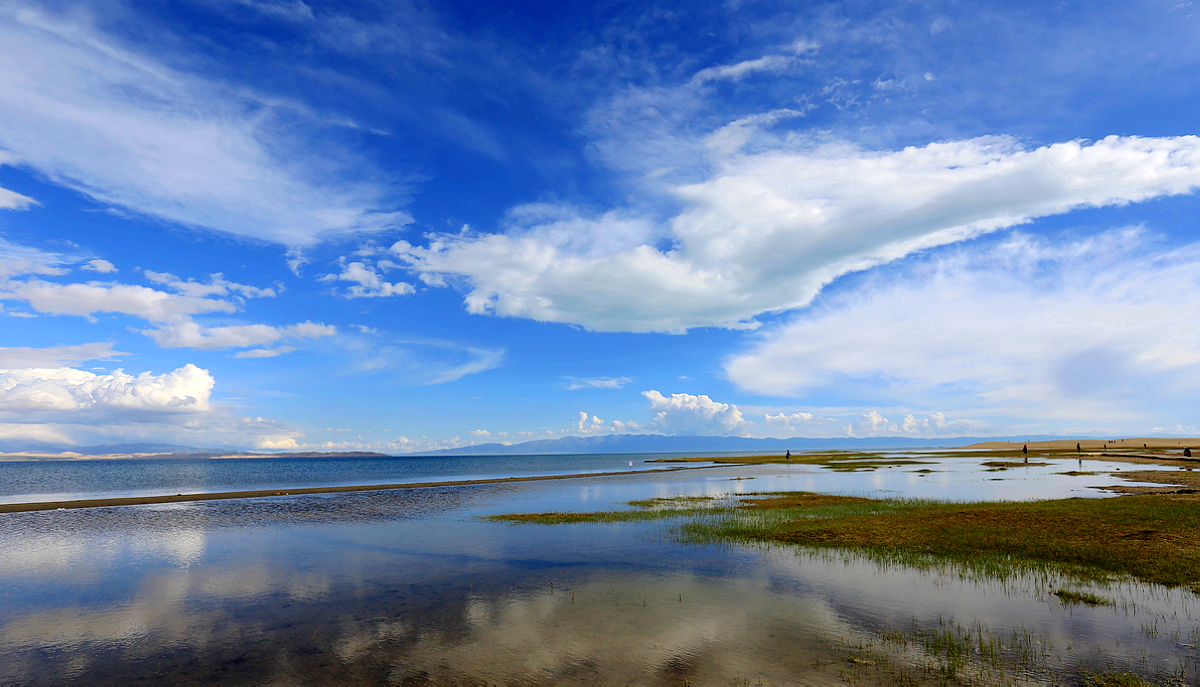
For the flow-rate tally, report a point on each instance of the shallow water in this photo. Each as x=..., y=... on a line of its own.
x=409, y=586
x=62, y=480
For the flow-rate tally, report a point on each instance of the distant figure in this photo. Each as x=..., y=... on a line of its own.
x=1078, y=448
x=1187, y=453
x=789, y=454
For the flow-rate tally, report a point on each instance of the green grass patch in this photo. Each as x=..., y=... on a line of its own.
x=1111, y=679
x=1070, y=598
x=1149, y=537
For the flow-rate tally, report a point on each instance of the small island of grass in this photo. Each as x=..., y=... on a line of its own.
x=1150, y=537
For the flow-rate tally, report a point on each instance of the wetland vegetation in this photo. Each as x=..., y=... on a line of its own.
x=1150, y=537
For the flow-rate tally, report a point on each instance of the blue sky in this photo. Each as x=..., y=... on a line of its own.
x=408, y=226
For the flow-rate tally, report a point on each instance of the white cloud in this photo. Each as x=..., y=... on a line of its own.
x=171, y=312
x=217, y=285
x=420, y=362
x=480, y=433
x=56, y=356
x=575, y=383
x=16, y=260
x=11, y=200
x=621, y=427
x=736, y=72
x=1098, y=330
x=771, y=229
x=186, y=390
x=686, y=414
x=264, y=352
x=192, y=335
x=873, y=423
x=101, y=297
x=126, y=129
x=98, y=265
x=72, y=406
x=367, y=282
x=586, y=425
x=790, y=422
x=283, y=442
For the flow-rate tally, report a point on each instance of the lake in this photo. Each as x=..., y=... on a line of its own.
x=411, y=587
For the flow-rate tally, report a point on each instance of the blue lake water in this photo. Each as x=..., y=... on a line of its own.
x=27, y=481
x=410, y=587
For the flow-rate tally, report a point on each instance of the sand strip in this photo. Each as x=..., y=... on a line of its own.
x=216, y=496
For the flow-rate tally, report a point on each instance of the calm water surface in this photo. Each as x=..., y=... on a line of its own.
x=411, y=587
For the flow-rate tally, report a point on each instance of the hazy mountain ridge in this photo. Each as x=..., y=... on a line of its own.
x=660, y=443
x=611, y=443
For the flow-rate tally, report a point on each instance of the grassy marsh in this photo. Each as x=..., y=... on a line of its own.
x=1148, y=537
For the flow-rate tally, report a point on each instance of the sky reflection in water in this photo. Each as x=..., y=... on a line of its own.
x=410, y=586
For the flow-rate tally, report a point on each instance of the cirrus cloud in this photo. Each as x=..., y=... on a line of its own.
x=119, y=125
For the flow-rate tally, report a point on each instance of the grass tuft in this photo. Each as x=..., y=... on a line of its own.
x=1070, y=598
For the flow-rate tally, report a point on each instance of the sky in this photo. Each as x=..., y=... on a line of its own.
x=406, y=226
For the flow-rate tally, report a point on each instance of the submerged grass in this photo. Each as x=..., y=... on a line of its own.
x=1149, y=537
x=1071, y=598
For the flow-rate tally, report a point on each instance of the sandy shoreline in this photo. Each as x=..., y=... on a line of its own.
x=221, y=495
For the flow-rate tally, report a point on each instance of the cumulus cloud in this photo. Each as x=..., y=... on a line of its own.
x=367, y=282
x=790, y=421
x=186, y=390
x=284, y=442
x=1102, y=329
x=173, y=313
x=686, y=414
x=771, y=228
x=621, y=427
x=64, y=405
x=576, y=383
x=586, y=425
x=98, y=265
x=873, y=423
x=122, y=126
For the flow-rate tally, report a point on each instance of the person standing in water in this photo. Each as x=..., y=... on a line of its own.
x=1025, y=452
x=789, y=454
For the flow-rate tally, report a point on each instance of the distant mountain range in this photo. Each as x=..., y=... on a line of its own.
x=658, y=443
x=16, y=446
x=610, y=443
